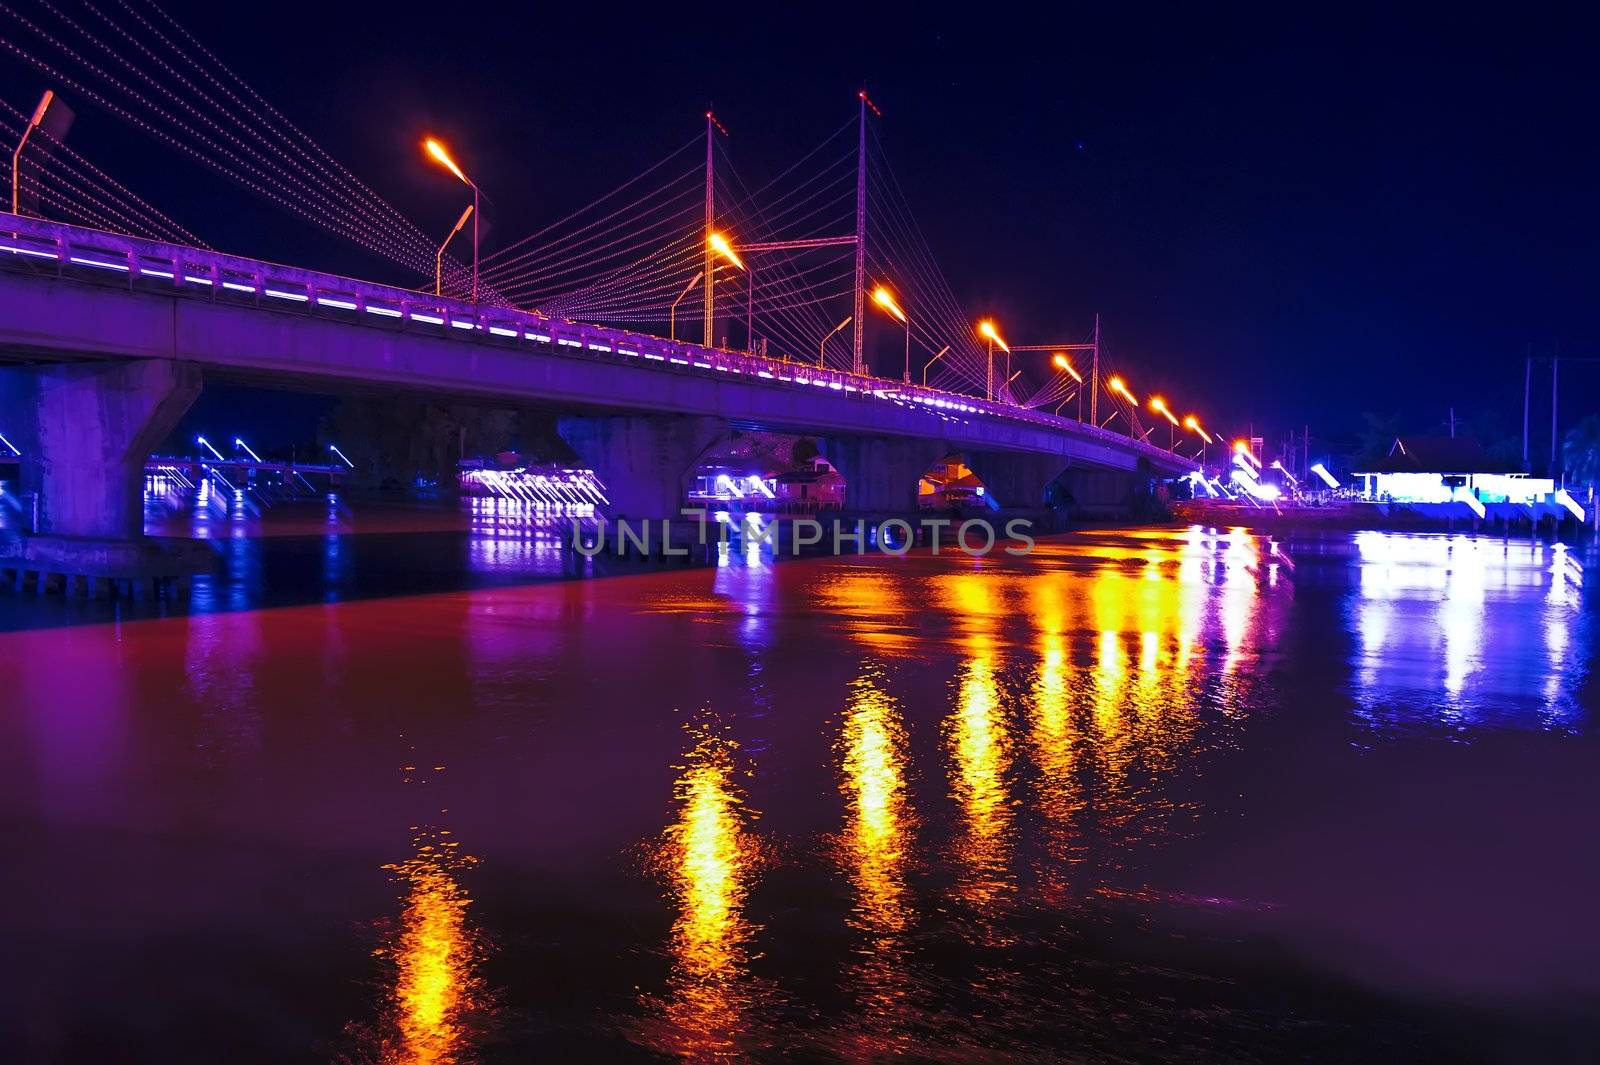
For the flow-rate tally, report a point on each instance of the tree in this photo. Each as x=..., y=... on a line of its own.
x=1580, y=453
x=1378, y=433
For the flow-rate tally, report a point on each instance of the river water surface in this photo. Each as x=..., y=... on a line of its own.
x=386, y=793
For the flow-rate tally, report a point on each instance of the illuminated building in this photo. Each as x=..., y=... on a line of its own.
x=1455, y=476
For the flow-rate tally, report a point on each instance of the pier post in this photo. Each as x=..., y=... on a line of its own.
x=642, y=460
x=1016, y=481
x=85, y=431
x=880, y=473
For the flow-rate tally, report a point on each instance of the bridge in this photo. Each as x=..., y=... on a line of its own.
x=109, y=339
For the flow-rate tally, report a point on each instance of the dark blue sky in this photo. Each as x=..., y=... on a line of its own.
x=1284, y=221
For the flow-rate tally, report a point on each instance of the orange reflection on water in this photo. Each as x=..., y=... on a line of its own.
x=976, y=736
x=435, y=954
x=873, y=608
x=1056, y=739
x=709, y=857
x=875, y=849
x=878, y=821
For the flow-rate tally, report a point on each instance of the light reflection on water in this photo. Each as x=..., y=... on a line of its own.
x=966, y=761
x=435, y=955
x=709, y=857
x=875, y=852
x=1447, y=628
x=977, y=735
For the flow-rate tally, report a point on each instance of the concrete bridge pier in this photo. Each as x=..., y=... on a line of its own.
x=644, y=461
x=1016, y=480
x=880, y=473
x=1103, y=493
x=85, y=430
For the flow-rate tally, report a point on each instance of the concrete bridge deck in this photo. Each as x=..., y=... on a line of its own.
x=110, y=337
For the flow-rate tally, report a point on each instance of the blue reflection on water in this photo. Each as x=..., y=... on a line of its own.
x=1462, y=629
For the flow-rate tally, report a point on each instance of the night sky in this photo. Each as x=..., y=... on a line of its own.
x=1281, y=223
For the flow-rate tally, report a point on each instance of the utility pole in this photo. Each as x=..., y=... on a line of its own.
x=860, y=362
x=711, y=221
x=1527, y=393
x=1094, y=376
x=1555, y=404
x=1452, y=423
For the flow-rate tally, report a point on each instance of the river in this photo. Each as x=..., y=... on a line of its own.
x=390, y=789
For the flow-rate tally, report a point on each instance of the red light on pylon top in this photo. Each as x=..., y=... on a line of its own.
x=864, y=98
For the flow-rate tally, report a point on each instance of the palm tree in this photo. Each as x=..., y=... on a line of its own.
x=1581, y=454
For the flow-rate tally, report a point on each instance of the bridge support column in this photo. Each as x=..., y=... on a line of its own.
x=643, y=461
x=85, y=431
x=880, y=473
x=1103, y=493
x=1016, y=480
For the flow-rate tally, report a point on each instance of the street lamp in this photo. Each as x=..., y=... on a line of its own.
x=16, y=156
x=435, y=149
x=438, y=260
x=1193, y=424
x=885, y=299
x=1063, y=363
x=941, y=353
x=1159, y=405
x=822, y=347
x=718, y=244
x=672, y=312
x=1119, y=387
x=987, y=330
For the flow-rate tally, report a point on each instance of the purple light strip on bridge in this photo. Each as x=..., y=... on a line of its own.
x=74, y=245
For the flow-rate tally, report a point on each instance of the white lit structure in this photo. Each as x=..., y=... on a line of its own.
x=1427, y=473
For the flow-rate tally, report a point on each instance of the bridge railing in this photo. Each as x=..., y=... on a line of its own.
x=200, y=273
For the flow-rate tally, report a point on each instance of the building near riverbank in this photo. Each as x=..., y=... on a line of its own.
x=1457, y=477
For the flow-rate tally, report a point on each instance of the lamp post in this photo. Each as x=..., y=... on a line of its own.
x=672, y=312
x=1064, y=364
x=1119, y=387
x=16, y=156
x=437, y=150
x=885, y=299
x=822, y=347
x=1159, y=405
x=942, y=352
x=987, y=330
x=1193, y=424
x=438, y=260
x=718, y=245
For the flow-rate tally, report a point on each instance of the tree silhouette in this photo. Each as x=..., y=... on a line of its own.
x=1580, y=453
